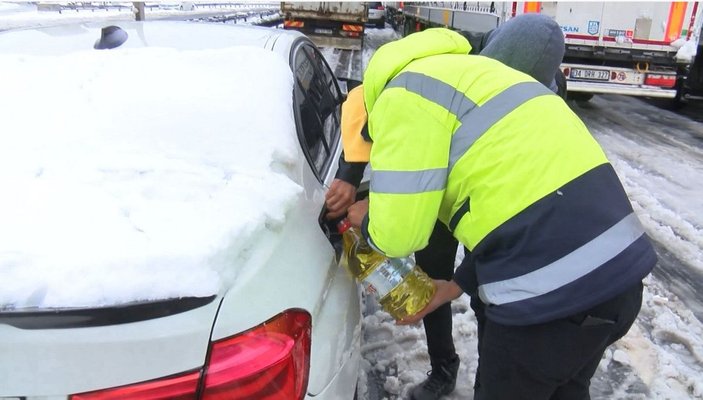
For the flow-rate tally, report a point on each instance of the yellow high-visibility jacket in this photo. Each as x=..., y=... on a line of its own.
x=509, y=168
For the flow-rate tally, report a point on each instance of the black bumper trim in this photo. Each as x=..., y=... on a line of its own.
x=64, y=318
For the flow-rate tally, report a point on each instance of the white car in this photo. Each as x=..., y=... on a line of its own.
x=377, y=14
x=163, y=233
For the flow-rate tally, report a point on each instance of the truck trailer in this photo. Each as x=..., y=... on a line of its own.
x=329, y=24
x=630, y=48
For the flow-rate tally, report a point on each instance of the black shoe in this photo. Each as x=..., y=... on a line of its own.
x=441, y=381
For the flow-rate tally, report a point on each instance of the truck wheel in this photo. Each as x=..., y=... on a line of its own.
x=677, y=102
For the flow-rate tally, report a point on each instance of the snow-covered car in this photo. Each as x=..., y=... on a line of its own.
x=162, y=230
x=377, y=14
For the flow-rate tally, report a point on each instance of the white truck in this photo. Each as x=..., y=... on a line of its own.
x=631, y=48
x=329, y=24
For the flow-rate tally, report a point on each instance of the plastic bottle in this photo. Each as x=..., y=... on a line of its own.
x=400, y=286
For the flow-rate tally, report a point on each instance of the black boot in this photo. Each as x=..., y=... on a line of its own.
x=441, y=381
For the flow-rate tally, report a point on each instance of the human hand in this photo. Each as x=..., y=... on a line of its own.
x=357, y=212
x=444, y=291
x=339, y=197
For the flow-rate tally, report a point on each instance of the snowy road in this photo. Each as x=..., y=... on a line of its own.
x=658, y=155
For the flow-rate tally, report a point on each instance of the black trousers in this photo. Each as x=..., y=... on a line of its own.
x=437, y=260
x=553, y=360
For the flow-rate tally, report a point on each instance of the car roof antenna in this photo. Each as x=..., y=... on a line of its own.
x=110, y=37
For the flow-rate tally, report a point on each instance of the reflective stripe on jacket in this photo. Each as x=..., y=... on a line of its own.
x=510, y=169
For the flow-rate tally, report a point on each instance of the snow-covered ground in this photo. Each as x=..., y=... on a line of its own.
x=658, y=156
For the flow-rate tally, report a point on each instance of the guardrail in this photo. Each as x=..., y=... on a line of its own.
x=472, y=18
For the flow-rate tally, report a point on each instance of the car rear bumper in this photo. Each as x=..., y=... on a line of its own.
x=44, y=362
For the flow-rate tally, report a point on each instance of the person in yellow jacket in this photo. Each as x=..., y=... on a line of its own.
x=554, y=250
x=531, y=43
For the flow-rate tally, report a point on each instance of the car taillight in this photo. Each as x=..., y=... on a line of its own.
x=667, y=81
x=270, y=361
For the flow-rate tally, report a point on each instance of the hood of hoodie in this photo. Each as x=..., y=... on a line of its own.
x=530, y=43
x=392, y=57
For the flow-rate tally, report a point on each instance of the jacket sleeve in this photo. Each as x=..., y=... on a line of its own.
x=350, y=172
x=465, y=274
x=409, y=160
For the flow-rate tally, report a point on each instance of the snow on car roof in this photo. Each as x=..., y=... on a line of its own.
x=126, y=173
x=64, y=38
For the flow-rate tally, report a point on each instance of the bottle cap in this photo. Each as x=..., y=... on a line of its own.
x=343, y=225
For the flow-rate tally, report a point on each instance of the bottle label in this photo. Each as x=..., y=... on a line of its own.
x=386, y=276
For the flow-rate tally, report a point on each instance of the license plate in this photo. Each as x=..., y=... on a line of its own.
x=323, y=31
x=590, y=74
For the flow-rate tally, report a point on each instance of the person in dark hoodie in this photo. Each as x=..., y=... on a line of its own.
x=555, y=255
x=530, y=43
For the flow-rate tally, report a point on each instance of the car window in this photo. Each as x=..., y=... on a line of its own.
x=317, y=100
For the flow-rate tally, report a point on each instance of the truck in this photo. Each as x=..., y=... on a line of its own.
x=629, y=48
x=329, y=24
x=471, y=17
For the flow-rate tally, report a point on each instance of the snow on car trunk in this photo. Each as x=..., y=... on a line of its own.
x=125, y=174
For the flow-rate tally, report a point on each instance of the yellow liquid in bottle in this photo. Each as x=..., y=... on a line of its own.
x=404, y=287
x=410, y=296
x=359, y=256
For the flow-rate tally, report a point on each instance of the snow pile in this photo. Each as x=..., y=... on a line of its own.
x=125, y=173
x=687, y=49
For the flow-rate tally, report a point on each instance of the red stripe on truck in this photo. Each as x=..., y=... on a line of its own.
x=693, y=21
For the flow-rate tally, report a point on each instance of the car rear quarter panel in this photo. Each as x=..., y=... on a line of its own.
x=296, y=267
